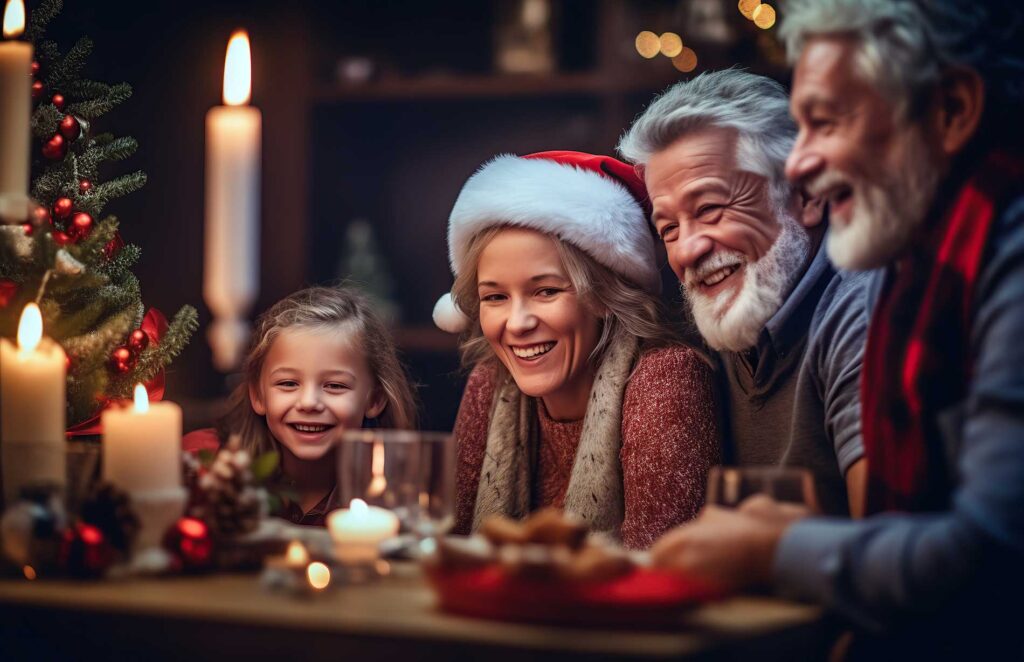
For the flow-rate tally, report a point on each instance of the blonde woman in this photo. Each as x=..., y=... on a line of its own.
x=579, y=396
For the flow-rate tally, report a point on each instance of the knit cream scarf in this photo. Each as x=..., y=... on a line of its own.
x=595, y=486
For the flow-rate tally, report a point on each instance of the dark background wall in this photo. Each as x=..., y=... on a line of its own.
x=394, y=150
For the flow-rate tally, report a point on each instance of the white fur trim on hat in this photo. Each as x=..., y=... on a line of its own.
x=449, y=317
x=591, y=211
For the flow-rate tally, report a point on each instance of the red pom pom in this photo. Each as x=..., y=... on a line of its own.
x=37, y=89
x=62, y=238
x=113, y=247
x=189, y=541
x=121, y=360
x=8, y=288
x=138, y=341
x=58, y=100
x=85, y=552
x=63, y=208
x=81, y=226
x=55, y=148
x=69, y=127
x=85, y=186
x=34, y=68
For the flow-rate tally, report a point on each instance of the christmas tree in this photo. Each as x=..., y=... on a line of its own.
x=67, y=258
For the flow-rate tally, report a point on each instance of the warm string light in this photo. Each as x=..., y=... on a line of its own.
x=760, y=13
x=671, y=44
x=648, y=44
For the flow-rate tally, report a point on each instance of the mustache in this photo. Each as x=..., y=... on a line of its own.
x=711, y=263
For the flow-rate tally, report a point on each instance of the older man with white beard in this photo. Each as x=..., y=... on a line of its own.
x=909, y=115
x=788, y=329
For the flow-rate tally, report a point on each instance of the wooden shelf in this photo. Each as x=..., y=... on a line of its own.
x=497, y=86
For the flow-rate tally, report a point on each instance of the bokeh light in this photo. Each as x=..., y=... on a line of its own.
x=671, y=44
x=747, y=8
x=764, y=16
x=319, y=575
x=686, y=61
x=648, y=44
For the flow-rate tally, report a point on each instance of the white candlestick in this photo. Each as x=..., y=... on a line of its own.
x=358, y=531
x=15, y=102
x=142, y=445
x=32, y=407
x=231, y=268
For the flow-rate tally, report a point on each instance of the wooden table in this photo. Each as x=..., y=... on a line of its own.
x=231, y=616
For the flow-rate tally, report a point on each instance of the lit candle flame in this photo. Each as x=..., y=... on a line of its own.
x=358, y=507
x=378, y=483
x=30, y=328
x=238, y=70
x=141, y=399
x=319, y=575
x=14, y=18
x=296, y=554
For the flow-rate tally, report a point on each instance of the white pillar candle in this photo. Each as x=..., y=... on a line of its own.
x=15, y=102
x=32, y=405
x=142, y=445
x=231, y=267
x=358, y=530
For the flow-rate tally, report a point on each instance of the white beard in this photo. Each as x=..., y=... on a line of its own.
x=734, y=323
x=886, y=212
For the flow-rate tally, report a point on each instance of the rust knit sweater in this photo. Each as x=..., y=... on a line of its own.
x=669, y=441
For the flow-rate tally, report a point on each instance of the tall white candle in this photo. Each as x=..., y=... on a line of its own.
x=142, y=445
x=31, y=407
x=15, y=102
x=232, y=208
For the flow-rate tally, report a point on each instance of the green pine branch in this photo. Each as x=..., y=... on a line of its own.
x=41, y=16
x=156, y=357
x=92, y=108
x=60, y=74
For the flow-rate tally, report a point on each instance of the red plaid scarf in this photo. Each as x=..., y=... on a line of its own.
x=918, y=361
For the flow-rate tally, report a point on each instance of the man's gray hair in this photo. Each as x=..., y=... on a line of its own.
x=755, y=106
x=906, y=44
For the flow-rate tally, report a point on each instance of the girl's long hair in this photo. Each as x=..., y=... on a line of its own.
x=342, y=307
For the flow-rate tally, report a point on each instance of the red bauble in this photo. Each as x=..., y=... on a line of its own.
x=63, y=208
x=35, y=68
x=138, y=341
x=37, y=89
x=85, y=552
x=113, y=247
x=188, y=540
x=62, y=238
x=69, y=127
x=122, y=360
x=58, y=100
x=85, y=186
x=8, y=288
x=55, y=148
x=28, y=228
x=80, y=226
x=41, y=215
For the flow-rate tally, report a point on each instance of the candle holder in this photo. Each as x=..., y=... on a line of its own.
x=157, y=510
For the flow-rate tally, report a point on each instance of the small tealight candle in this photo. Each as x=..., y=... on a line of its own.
x=319, y=575
x=358, y=531
x=296, y=556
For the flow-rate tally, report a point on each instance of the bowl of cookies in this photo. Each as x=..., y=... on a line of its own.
x=548, y=569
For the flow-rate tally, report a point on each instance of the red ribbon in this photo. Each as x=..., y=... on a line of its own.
x=154, y=325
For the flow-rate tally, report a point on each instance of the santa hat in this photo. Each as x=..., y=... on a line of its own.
x=596, y=203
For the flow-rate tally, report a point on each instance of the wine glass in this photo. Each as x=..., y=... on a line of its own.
x=730, y=486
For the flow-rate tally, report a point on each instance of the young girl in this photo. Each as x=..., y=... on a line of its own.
x=321, y=362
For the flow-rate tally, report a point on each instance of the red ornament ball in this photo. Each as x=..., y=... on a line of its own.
x=113, y=247
x=41, y=215
x=81, y=226
x=122, y=361
x=85, y=186
x=37, y=89
x=85, y=552
x=28, y=228
x=8, y=288
x=55, y=148
x=61, y=238
x=69, y=127
x=138, y=341
x=189, y=541
x=34, y=68
x=63, y=208
x=58, y=100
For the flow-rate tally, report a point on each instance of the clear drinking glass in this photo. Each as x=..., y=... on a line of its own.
x=729, y=486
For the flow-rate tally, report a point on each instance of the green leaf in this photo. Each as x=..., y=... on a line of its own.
x=264, y=466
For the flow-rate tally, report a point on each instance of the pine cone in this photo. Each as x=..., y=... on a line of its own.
x=224, y=496
x=109, y=510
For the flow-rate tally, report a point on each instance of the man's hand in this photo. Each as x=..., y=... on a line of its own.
x=732, y=547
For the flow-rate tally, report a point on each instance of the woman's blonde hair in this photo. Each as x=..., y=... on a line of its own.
x=617, y=302
x=339, y=307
